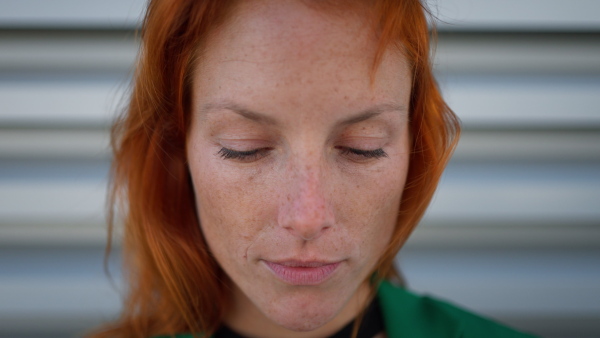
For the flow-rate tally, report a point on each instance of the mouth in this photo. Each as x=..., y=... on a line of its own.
x=302, y=273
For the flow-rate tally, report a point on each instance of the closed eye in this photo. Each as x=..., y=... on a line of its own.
x=375, y=153
x=254, y=154
x=245, y=155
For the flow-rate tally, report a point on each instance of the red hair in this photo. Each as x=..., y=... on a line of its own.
x=175, y=285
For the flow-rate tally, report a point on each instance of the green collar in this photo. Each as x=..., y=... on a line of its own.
x=407, y=315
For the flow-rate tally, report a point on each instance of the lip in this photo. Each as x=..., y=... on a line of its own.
x=303, y=273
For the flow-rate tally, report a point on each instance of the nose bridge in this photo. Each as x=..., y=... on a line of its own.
x=309, y=187
x=306, y=210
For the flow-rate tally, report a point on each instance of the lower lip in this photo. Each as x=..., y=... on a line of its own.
x=299, y=275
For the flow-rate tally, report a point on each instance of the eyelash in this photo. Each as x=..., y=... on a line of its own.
x=376, y=153
x=248, y=155
x=230, y=154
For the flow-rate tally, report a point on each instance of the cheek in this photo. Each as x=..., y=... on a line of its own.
x=376, y=201
x=232, y=207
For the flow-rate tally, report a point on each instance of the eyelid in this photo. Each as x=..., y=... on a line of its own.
x=363, y=142
x=244, y=143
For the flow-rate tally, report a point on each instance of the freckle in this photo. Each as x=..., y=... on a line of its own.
x=345, y=97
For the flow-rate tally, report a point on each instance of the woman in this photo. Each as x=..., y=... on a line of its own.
x=274, y=157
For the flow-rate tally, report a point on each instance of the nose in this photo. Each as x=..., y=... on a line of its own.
x=306, y=211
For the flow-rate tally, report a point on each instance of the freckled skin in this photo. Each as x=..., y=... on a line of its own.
x=303, y=197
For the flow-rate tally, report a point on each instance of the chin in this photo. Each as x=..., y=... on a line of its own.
x=304, y=313
x=304, y=319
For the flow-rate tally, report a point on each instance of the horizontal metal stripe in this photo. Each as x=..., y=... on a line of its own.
x=527, y=197
x=524, y=103
x=65, y=234
x=495, y=235
x=42, y=202
x=63, y=51
x=70, y=13
x=518, y=54
x=499, y=103
x=536, y=15
x=530, y=146
x=66, y=52
x=507, y=201
x=427, y=236
x=54, y=144
x=64, y=104
x=454, y=14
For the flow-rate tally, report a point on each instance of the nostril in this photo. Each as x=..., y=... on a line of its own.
x=309, y=234
x=304, y=219
x=308, y=224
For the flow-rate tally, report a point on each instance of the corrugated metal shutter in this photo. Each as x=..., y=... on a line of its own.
x=513, y=232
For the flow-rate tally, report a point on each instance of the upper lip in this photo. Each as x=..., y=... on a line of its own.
x=303, y=264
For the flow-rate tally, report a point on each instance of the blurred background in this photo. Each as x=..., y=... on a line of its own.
x=513, y=232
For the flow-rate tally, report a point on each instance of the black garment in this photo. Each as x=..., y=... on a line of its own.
x=371, y=325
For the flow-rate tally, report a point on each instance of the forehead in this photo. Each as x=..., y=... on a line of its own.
x=287, y=53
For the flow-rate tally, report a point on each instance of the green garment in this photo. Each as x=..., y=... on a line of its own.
x=407, y=315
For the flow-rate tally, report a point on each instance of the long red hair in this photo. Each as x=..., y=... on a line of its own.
x=175, y=285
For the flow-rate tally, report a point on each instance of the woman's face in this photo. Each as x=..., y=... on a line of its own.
x=298, y=162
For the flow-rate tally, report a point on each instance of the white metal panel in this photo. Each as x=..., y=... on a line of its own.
x=518, y=54
x=58, y=103
x=513, y=230
x=517, y=15
x=52, y=201
x=525, y=103
x=66, y=53
x=501, y=146
x=71, y=13
x=54, y=144
x=489, y=202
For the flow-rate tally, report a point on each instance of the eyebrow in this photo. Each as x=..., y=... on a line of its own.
x=264, y=119
x=245, y=112
x=372, y=112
